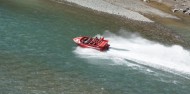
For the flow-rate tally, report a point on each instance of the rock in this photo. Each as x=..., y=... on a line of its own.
x=146, y=0
x=181, y=8
x=187, y=12
x=175, y=10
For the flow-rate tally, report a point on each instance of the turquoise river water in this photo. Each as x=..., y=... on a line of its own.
x=38, y=56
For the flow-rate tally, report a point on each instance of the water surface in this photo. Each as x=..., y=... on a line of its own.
x=38, y=56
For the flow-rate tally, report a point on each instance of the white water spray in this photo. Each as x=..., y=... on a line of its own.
x=132, y=47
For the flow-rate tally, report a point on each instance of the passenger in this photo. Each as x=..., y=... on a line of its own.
x=92, y=41
x=96, y=41
x=87, y=41
x=96, y=38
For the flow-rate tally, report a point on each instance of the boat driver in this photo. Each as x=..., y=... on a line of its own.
x=86, y=40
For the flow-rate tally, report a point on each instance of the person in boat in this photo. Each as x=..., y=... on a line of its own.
x=92, y=41
x=95, y=40
x=87, y=40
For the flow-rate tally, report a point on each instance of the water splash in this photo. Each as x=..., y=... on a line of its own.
x=131, y=47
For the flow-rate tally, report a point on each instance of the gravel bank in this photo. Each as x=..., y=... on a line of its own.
x=177, y=5
x=139, y=6
x=131, y=9
x=174, y=2
x=134, y=9
x=109, y=7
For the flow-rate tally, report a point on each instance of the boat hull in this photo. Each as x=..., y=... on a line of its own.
x=94, y=43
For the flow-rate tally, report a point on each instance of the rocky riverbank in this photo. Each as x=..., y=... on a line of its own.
x=133, y=12
x=132, y=9
x=182, y=6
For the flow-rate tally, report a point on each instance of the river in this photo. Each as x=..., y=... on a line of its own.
x=38, y=56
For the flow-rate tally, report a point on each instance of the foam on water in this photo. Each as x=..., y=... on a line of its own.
x=131, y=47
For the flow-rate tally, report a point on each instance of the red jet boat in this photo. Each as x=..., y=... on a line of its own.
x=90, y=42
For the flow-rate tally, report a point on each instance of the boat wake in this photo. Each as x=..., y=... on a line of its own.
x=128, y=48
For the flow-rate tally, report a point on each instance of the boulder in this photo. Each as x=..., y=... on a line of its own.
x=187, y=12
x=146, y=0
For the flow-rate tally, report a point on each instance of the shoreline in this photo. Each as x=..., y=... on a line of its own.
x=107, y=7
x=177, y=5
x=151, y=30
x=129, y=9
